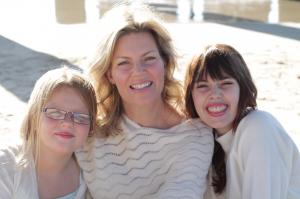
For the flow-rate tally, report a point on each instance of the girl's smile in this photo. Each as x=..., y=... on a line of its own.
x=216, y=109
x=216, y=102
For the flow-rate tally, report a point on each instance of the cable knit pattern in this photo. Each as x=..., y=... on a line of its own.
x=149, y=163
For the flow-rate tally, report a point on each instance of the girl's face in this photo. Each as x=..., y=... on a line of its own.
x=64, y=136
x=216, y=102
x=137, y=70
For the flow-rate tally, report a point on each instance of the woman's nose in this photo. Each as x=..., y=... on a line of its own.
x=139, y=67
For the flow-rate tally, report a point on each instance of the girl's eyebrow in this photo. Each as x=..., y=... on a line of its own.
x=227, y=78
x=201, y=80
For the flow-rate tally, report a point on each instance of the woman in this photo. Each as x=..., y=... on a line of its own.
x=145, y=147
x=260, y=159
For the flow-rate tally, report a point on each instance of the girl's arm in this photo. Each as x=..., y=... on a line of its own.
x=263, y=159
x=6, y=175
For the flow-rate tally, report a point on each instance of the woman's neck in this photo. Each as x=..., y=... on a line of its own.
x=159, y=115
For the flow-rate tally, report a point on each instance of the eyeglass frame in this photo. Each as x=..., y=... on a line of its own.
x=71, y=115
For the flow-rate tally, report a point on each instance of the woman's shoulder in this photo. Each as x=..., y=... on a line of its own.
x=197, y=124
x=188, y=127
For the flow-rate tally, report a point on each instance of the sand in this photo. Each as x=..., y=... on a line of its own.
x=270, y=50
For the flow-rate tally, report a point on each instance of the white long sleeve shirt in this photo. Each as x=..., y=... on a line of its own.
x=262, y=161
x=20, y=182
x=149, y=163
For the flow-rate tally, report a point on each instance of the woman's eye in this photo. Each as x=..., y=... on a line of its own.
x=122, y=63
x=150, y=59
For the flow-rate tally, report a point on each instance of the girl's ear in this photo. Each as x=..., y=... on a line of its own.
x=110, y=77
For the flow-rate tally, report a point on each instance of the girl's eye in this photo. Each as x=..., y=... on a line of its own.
x=227, y=83
x=202, y=86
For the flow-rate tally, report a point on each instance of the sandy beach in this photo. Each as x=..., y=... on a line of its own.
x=27, y=50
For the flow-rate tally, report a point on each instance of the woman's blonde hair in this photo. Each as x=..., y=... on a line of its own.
x=41, y=93
x=120, y=21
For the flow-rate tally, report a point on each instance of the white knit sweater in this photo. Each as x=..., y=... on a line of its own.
x=262, y=161
x=149, y=163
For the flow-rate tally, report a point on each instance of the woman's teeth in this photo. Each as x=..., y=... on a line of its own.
x=140, y=86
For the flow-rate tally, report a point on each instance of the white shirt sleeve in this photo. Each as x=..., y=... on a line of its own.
x=262, y=159
x=16, y=181
x=6, y=175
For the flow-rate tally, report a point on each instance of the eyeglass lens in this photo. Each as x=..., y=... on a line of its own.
x=79, y=118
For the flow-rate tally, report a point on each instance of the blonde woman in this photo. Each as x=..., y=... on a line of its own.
x=60, y=116
x=144, y=148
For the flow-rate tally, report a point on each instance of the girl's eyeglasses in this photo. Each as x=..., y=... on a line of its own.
x=56, y=114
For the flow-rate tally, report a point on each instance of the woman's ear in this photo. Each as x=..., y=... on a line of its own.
x=110, y=77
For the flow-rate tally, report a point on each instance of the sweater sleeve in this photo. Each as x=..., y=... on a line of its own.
x=264, y=155
x=6, y=174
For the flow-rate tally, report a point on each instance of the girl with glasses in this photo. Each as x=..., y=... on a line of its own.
x=60, y=116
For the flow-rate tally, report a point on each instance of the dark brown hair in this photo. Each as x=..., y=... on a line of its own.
x=216, y=61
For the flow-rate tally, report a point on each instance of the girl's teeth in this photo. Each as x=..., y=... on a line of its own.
x=140, y=86
x=216, y=108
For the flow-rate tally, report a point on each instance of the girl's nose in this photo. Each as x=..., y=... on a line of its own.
x=69, y=118
x=216, y=91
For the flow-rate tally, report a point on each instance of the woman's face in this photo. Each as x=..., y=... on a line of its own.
x=216, y=102
x=64, y=133
x=137, y=70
